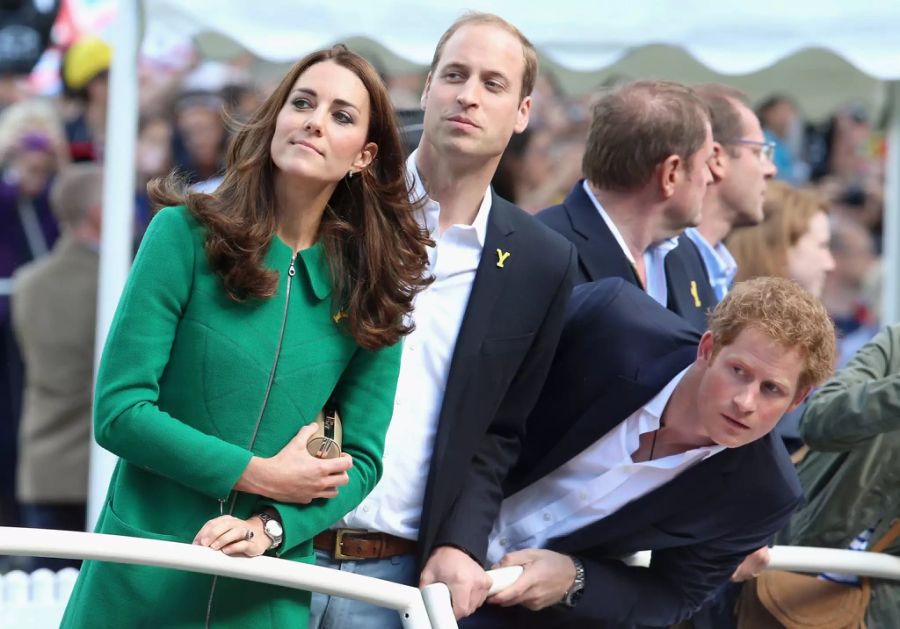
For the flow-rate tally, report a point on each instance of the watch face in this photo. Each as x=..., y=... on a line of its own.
x=273, y=528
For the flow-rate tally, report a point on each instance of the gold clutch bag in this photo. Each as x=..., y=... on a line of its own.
x=326, y=441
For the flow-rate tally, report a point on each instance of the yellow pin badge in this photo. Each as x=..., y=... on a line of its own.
x=501, y=257
x=695, y=294
x=340, y=314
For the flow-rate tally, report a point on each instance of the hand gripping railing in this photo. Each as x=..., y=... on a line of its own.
x=409, y=602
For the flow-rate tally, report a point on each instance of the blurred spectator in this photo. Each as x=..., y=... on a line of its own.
x=551, y=166
x=27, y=231
x=509, y=171
x=34, y=116
x=854, y=259
x=85, y=73
x=240, y=101
x=200, y=138
x=741, y=165
x=846, y=145
x=851, y=473
x=154, y=159
x=782, y=125
x=53, y=311
x=792, y=241
x=25, y=27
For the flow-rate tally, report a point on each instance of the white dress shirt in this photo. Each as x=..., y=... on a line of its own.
x=395, y=505
x=654, y=256
x=593, y=485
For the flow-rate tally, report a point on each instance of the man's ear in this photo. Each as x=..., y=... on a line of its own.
x=706, y=348
x=718, y=163
x=669, y=173
x=798, y=399
x=425, y=90
x=523, y=115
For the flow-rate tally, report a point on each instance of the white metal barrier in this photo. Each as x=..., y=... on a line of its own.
x=38, y=600
x=815, y=560
x=409, y=602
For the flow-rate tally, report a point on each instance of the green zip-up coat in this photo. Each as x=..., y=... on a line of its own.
x=851, y=475
x=182, y=385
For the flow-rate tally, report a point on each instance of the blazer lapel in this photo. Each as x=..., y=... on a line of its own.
x=598, y=249
x=486, y=290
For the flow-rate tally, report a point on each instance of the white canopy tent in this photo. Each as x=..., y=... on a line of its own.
x=729, y=36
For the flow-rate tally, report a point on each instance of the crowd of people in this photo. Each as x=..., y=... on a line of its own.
x=556, y=332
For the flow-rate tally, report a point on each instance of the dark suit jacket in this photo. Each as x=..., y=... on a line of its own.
x=619, y=349
x=599, y=256
x=503, y=352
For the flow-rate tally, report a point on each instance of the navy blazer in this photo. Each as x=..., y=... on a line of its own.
x=502, y=355
x=618, y=349
x=600, y=256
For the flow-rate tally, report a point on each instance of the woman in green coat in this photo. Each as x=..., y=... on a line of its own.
x=245, y=312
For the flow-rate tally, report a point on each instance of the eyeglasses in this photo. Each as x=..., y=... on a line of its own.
x=766, y=149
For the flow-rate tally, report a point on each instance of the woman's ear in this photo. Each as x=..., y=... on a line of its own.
x=366, y=156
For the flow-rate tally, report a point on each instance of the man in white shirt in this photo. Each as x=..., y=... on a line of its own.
x=485, y=334
x=662, y=445
x=741, y=166
x=645, y=176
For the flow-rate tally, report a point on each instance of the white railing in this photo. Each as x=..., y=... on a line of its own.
x=37, y=600
x=409, y=602
x=815, y=560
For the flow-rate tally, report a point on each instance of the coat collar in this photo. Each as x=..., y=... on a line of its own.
x=600, y=253
x=312, y=260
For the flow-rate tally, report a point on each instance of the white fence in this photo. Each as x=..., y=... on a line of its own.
x=428, y=608
x=37, y=600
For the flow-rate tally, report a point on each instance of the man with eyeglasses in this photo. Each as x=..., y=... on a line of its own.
x=645, y=169
x=741, y=165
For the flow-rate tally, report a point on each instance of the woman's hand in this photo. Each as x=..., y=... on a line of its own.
x=294, y=475
x=234, y=536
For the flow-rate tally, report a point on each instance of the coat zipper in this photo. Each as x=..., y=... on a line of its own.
x=262, y=410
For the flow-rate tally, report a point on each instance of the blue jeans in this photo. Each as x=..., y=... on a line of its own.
x=331, y=612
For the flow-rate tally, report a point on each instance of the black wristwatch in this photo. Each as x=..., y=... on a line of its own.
x=272, y=528
x=574, y=593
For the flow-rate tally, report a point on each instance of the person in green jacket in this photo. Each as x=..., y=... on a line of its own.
x=851, y=474
x=246, y=311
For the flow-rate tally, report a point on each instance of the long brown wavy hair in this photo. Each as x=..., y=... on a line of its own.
x=374, y=245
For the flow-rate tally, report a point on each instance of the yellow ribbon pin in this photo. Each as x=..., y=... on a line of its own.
x=340, y=314
x=695, y=294
x=501, y=258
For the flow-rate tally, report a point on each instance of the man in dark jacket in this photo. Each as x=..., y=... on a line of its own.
x=650, y=437
x=646, y=174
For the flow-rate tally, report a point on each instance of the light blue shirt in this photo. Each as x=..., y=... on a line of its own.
x=720, y=265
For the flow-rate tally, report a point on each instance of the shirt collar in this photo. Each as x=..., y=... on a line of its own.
x=431, y=209
x=652, y=412
x=717, y=256
x=663, y=246
x=655, y=407
x=609, y=222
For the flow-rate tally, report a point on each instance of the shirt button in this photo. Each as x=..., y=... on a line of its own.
x=365, y=508
x=547, y=517
x=504, y=541
x=583, y=495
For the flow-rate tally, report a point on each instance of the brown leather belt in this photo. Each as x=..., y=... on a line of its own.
x=354, y=544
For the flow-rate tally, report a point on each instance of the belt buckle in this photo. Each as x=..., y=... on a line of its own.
x=339, y=540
